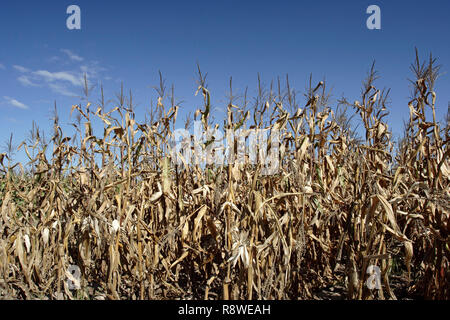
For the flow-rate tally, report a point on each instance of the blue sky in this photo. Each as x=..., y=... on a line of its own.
x=42, y=61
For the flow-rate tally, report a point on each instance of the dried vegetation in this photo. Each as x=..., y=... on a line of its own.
x=139, y=227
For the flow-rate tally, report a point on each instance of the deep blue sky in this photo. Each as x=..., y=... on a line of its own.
x=42, y=61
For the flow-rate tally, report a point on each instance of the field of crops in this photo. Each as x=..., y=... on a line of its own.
x=137, y=226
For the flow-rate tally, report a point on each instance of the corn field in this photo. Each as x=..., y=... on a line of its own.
x=139, y=226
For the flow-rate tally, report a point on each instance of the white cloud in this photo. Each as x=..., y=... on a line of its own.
x=55, y=76
x=25, y=81
x=61, y=89
x=53, y=59
x=66, y=81
x=21, y=69
x=72, y=55
x=92, y=69
x=15, y=103
x=13, y=120
x=2, y=66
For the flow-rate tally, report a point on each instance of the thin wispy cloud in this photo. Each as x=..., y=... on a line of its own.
x=61, y=89
x=218, y=109
x=26, y=81
x=12, y=120
x=93, y=70
x=53, y=59
x=17, y=104
x=64, y=82
x=72, y=56
x=2, y=66
x=21, y=69
x=62, y=76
